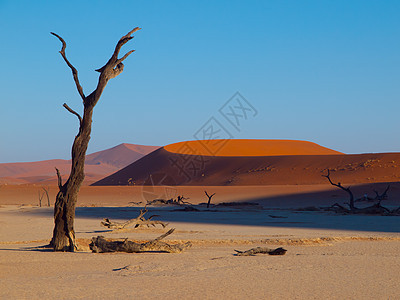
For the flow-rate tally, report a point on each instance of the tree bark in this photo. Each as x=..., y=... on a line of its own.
x=136, y=222
x=66, y=199
x=100, y=245
x=261, y=250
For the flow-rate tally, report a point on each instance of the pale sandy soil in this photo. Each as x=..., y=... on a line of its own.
x=329, y=256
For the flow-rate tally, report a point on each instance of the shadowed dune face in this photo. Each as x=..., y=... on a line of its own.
x=162, y=167
x=246, y=147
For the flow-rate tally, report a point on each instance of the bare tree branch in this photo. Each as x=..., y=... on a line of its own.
x=74, y=71
x=383, y=196
x=122, y=41
x=339, y=185
x=115, y=63
x=73, y=112
x=124, y=57
x=59, y=179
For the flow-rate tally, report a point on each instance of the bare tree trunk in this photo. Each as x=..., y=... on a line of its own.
x=64, y=208
x=209, y=198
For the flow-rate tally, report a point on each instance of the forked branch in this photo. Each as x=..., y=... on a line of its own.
x=114, y=66
x=209, y=198
x=383, y=196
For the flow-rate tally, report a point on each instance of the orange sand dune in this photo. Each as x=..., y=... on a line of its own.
x=162, y=167
x=246, y=147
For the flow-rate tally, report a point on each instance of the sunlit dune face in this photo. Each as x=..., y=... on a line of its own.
x=242, y=147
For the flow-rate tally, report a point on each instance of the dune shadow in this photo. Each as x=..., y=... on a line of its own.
x=43, y=248
x=271, y=211
x=287, y=218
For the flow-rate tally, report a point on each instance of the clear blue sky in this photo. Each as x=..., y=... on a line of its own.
x=323, y=71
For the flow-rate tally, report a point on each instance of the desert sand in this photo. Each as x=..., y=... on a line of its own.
x=329, y=256
x=267, y=194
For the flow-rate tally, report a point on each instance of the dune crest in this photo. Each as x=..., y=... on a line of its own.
x=249, y=147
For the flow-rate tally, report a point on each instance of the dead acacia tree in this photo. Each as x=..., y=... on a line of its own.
x=64, y=209
x=41, y=195
x=209, y=198
x=375, y=209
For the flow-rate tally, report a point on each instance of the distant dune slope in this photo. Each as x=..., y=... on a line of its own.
x=163, y=167
x=247, y=147
x=97, y=165
x=119, y=156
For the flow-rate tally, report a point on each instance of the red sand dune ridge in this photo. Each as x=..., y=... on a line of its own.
x=164, y=167
x=249, y=147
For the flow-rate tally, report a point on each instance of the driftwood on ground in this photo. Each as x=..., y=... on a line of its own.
x=180, y=200
x=136, y=222
x=261, y=250
x=101, y=245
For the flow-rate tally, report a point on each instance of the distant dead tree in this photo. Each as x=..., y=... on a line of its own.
x=64, y=209
x=347, y=190
x=41, y=195
x=209, y=198
x=375, y=209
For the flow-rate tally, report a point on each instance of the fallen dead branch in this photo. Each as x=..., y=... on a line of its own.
x=136, y=222
x=180, y=200
x=261, y=250
x=101, y=245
